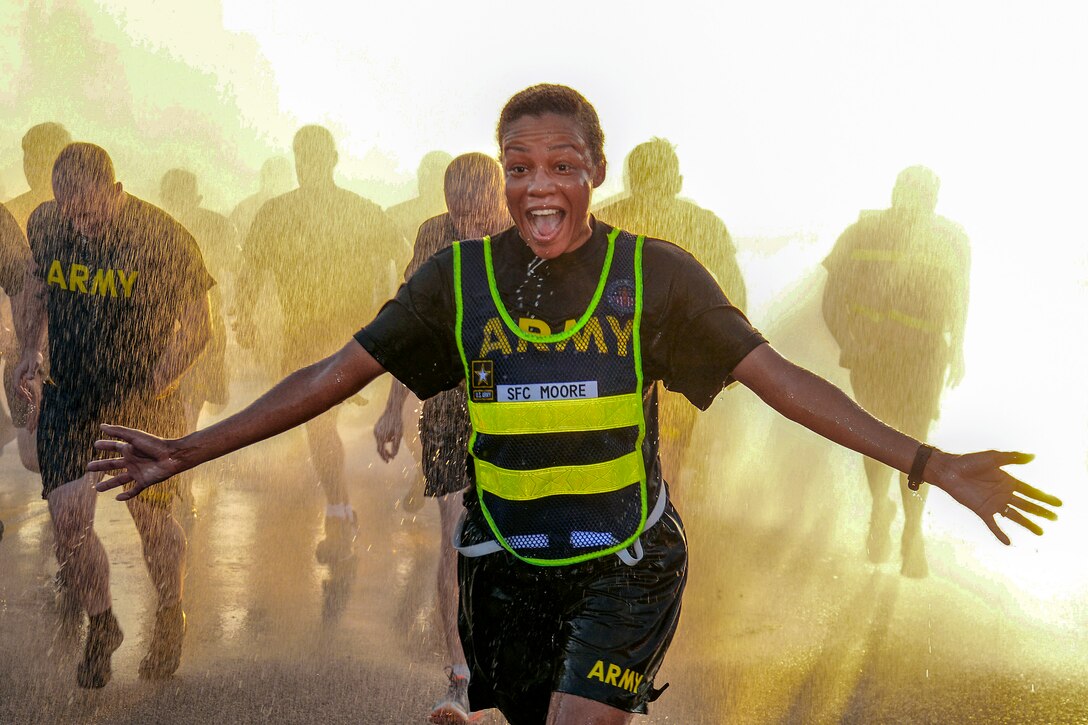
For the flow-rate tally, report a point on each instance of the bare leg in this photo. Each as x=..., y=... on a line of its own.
x=453, y=709
x=915, y=564
x=327, y=452
x=914, y=502
x=7, y=429
x=28, y=450
x=164, y=551
x=449, y=510
x=879, y=543
x=83, y=562
x=85, y=571
x=164, y=548
x=868, y=383
x=191, y=403
x=567, y=709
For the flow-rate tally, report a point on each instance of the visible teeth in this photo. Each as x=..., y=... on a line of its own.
x=544, y=212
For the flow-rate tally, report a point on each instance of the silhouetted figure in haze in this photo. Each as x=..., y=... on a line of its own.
x=654, y=208
x=327, y=250
x=41, y=145
x=208, y=381
x=896, y=302
x=477, y=208
x=215, y=234
x=122, y=290
x=14, y=259
x=262, y=359
x=429, y=202
x=277, y=178
x=14, y=254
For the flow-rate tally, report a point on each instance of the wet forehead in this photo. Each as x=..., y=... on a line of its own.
x=548, y=132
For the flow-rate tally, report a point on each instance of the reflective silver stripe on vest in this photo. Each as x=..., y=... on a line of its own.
x=490, y=547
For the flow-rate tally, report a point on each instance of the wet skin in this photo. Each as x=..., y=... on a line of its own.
x=550, y=178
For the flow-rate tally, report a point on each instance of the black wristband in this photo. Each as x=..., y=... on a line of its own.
x=918, y=469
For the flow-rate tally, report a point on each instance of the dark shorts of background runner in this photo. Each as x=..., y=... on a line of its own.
x=444, y=432
x=17, y=404
x=598, y=630
x=903, y=391
x=69, y=426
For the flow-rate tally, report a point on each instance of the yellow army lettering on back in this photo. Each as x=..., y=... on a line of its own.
x=102, y=283
x=591, y=336
x=616, y=676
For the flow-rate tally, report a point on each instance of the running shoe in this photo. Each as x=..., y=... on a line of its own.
x=164, y=655
x=339, y=541
x=453, y=709
x=104, y=636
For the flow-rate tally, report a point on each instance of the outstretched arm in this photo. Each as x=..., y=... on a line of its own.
x=976, y=480
x=145, y=459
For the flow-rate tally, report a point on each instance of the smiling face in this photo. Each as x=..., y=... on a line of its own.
x=550, y=178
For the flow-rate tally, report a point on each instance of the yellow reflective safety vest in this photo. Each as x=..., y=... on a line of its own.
x=558, y=443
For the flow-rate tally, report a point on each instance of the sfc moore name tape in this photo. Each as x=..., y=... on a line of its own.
x=547, y=391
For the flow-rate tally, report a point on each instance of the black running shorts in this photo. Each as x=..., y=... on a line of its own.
x=69, y=426
x=598, y=629
x=905, y=396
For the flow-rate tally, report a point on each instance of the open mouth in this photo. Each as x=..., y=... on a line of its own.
x=545, y=223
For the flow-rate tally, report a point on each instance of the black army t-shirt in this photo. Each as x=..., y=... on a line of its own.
x=113, y=302
x=692, y=336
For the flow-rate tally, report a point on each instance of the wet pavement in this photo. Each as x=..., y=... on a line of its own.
x=785, y=620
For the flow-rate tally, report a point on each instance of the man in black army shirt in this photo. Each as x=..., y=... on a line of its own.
x=122, y=291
